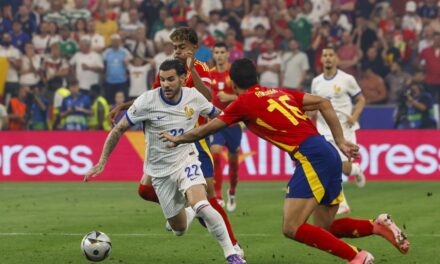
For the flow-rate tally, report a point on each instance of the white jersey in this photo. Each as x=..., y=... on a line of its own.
x=340, y=89
x=157, y=115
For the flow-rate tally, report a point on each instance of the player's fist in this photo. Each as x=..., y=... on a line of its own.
x=166, y=137
x=95, y=171
x=190, y=59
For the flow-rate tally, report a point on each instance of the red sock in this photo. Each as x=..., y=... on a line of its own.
x=148, y=193
x=318, y=237
x=349, y=227
x=218, y=175
x=218, y=208
x=233, y=175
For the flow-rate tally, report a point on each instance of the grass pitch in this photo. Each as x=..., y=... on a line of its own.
x=45, y=222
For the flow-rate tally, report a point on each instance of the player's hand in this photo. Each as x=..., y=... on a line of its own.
x=222, y=97
x=349, y=149
x=351, y=121
x=114, y=113
x=166, y=137
x=95, y=171
x=190, y=60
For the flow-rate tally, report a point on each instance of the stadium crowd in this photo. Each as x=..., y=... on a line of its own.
x=65, y=63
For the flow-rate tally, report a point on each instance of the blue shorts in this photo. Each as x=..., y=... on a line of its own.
x=205, y=157
x=229, y=137
x=318, y=172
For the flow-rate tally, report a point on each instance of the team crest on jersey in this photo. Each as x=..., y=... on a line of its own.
x=189, y=112
x=337, y=89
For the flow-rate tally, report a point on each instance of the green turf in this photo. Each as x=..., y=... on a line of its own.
x=44, y=223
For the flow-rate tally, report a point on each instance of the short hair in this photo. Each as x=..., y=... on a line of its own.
x=72, y=81
x=175, y=64
x=221, y=45
x=330, y=46
x=96, y=88
x=243, y=73
x=185, y=34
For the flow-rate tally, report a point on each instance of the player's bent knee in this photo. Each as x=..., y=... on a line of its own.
x=289, y=230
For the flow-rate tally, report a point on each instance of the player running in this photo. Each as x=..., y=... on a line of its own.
x=277, y=115
x=175, y=174
x=341, y=89
x=222, y=96
x=185, y=43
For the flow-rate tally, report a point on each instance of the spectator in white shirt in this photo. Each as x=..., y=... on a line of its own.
x=54, y=66
x=163, y=35
x=269, y=66
x=41, y=40
x=133, y=24
x=97, y=40
x=250, y=21
x=138, y=77
x=294, y=67
x=167, y=53
x=30, y=67
x=14, y=58
x=216, y=24
x=87, y=65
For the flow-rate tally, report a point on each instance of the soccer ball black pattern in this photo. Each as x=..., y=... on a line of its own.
x=96, y=246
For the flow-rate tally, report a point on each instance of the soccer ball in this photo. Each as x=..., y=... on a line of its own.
x=96, y=246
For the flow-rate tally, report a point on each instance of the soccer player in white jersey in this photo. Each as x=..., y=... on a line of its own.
x=341, y=89
x=176, y=174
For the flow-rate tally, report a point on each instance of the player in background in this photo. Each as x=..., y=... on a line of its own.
x=278, y=116
x=185, y=43
x=222, y=96
x=341, y=89
x=175, y=174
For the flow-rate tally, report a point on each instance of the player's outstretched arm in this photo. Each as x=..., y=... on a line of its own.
x=114, y=113
x=109, y=145
x=324, y=106
x=194, y=134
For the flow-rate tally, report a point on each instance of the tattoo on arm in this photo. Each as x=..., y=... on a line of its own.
x=113, y=139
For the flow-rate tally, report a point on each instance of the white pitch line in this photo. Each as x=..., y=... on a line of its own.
x=169, y=234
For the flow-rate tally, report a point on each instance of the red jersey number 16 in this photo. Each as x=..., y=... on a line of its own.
x=289, y=111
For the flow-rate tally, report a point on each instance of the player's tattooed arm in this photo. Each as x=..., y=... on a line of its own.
x=109, y=145
x=215, y=113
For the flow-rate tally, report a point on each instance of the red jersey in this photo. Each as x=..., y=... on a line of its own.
x=201, y=68
x=220, y=82
x=276, y=115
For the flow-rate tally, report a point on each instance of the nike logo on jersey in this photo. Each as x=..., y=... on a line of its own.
x=160, y=117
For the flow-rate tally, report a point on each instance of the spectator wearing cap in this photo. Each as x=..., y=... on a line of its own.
x=75, y=109
x=115, y=60
x=68, y=46
x=97, y=40
x=40, y=40
x=19, y=38
x=163, y=35
x=301, y=27
x=269, y=66
x=86, y=65
x=372, y=86
x=429, y=58
x=349, y=54
x=13, y=56
x=411, y=20
x=17, y=110
x=396, y=82
x=30, y=67
x=294, y=66
x=106, y=27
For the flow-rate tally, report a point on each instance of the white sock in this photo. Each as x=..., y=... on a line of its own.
x=190, y=214
x=344, y=178
x=355, y=169
x=216, y=226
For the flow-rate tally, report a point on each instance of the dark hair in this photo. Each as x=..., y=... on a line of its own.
x=185, y=34
x=221, y=45
x=243, y=73
x=330, y=46
x=72, y=81
x=173, y=64
x=96, y=88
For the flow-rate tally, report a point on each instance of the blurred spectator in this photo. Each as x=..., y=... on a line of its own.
x=138, y=71
x=349, y=54
x=387, y=24
x=411, y=21
x=39, y=108
x=234, y=48
x=204, y=7
x=88, y=65
x=336, y=29
x=115, y=60
x=68, y=46
x=321, y=39
x=6, y=19
x=99, y=119
x=158, y=24
x=435, y=23
x=390, y=52
x=14, y=59
x=3, y=117
x=79, y=11
x=254, y=27
x=166, y=54
x=54, y=66
x=216, y=24
x=373, y=87
x=119, y=99
x=29, y=24
x=233, y=12
x=179, y=10
x=30, y=67
x=60, y=93
x=17, y=110
x=204, y=52
x=363, y=35
x=75, y=108
x=417, y=109
x=97, y=40
x=40, y=40
x=301, y=27
x=269, y=66
x=139, y=45
x=55, y=14
x=319, y=9
x=106, y=27
x=19, y=38
x=427, y=39
x=430, y=59
x=80, y=29
x=132, y=25
x=163, y=35
x=253, y=45
x=364, y=8
x=428, y=10
x=54, y=36
x=396, y=82
x=151, y=11
x=294, y=67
